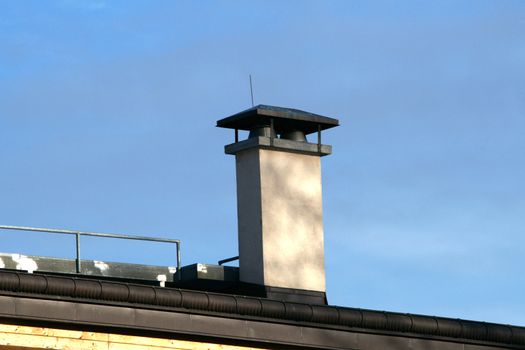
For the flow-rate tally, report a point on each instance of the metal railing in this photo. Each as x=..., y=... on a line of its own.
x=224, y=261
x=78, y=234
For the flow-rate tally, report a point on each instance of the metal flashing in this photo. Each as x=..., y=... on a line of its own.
x=98, y=268
x=207, y=272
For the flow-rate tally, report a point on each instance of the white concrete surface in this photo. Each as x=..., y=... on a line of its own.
x=280, y=219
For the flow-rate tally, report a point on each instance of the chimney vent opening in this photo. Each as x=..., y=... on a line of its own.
x=262, y=130
x=294, y=135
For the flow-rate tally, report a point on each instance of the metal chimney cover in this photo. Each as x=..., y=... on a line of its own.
x=284, y=120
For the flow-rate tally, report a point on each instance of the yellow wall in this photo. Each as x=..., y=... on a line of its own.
x=26, y=338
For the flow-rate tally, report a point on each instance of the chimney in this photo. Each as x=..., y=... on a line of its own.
x=279, y=197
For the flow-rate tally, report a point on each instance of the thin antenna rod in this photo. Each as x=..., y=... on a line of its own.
x=251, y=89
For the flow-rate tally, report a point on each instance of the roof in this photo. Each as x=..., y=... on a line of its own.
x=252, y=309
x=285, y=119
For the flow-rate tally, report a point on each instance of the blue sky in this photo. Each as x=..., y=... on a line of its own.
x=107, y=114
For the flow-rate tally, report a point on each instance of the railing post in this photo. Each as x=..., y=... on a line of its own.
x=79, y=267
x=178, y=260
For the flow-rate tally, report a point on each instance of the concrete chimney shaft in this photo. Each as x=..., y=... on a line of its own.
x=279, y=197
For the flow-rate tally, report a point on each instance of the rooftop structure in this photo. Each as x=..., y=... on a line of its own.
x=275, y=299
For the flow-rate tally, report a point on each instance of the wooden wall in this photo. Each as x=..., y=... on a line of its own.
x=14, y=337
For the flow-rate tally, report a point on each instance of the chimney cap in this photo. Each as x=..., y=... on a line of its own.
x=284, y=120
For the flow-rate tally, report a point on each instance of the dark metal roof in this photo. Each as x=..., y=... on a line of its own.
x=285, y=120
x=241, y=307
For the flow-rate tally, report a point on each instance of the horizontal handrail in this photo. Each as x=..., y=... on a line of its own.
x=96, y=234
x=224, y=261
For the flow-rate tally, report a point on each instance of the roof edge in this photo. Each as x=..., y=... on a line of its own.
x=135, y=295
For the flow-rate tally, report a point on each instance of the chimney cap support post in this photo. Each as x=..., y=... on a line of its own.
x=319, y=139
